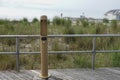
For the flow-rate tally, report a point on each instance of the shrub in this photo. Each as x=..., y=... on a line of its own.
x=25, y=19
x=81, y=61
x=68, y=22
x=61, y=21
x=2, y=21
x=84, y=22
x=56, y=21
x=116, y=59
x=77, y=22
x=35, y=20
x=48, y=21
x=114, y=24
x=69, y=30
x=105, y=20
x=56, y=47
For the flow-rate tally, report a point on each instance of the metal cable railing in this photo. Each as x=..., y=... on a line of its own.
x=17, y=51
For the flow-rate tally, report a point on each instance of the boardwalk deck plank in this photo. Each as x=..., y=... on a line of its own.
x=64, y=74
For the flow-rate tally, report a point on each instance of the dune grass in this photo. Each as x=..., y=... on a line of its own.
x=62, y=60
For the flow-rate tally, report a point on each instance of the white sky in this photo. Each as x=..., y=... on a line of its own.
x=16, y=9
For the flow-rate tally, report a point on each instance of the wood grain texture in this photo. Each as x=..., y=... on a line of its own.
x=64, y=74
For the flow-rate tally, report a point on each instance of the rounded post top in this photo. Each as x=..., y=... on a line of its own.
x=44, y=17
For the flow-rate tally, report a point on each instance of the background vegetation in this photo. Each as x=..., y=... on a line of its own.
x=60, y=26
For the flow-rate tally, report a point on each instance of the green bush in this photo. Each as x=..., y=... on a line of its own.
x=85, y=23
x=2, y=21
x=35, y=20
x=82, y=61
x=7, y=62
x=25, y=20
x=77, y=22
x=105, y=20
x=56, y=47
x=114, y=24
x=116, y=59
x=56, y=21
x=68, y=23
x=61, y=21
x=69, y=30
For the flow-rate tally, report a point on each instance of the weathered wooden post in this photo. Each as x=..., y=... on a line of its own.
x=43, y=48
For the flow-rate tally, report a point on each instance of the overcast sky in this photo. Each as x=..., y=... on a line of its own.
x=16, y=9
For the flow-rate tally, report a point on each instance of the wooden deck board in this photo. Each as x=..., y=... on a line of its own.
x=64, y=74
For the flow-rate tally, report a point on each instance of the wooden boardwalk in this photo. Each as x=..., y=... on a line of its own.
x=64, y=74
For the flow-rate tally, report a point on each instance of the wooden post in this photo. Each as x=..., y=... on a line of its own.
x=43, y=48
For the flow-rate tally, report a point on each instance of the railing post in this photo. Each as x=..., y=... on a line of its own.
x=43, y=48
x=17, y=55
x=93, y=53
